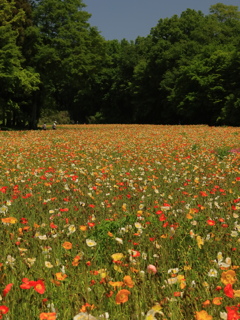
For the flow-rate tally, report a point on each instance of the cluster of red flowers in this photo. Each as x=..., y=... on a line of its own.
x=38, y=285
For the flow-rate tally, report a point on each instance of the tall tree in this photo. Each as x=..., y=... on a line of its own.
x=70, y=51
x=173, y=43
x=187, y=74
x=117, y=81
x=15, y=81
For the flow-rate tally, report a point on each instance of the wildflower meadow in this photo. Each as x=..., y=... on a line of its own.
x=120, y=222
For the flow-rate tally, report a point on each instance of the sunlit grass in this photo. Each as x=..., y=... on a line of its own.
x=120, y=222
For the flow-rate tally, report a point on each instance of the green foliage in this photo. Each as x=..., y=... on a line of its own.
x=185, y=71
x=195, y=147
x=224, y=12
x=222, y=152
x=49, y=116
x=68, y=56
x=97, y=118
x=17, y=83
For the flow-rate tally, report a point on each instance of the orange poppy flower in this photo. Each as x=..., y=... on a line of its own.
x=217, y=301
x=26, y=228
x=134, y=270
x=109, y=294
x=206, y=303
x=116, y=283
x=177, y=294
x=11, y=220
x=48, y=316
x=76, y=261
x=67, y=245
x=128, y=281
x=236, y=293
x=203, y=315
x=87, y=306
x=228, y=277
x=60, y=276
x=122, y=296
x=57, y=283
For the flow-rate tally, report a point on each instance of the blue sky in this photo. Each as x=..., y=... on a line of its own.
x=118, y=19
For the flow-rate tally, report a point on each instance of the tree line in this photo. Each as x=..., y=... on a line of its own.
x=52, y=61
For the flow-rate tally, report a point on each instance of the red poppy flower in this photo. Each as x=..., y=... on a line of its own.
x=27, y=284
x=24, y=220
x=91, y=224
x=3, y=189
x=53, y=226
x=135, y=253
x=211, y=222
x=39, y=286
x=7, y=289
x=4, y=309
x=177, y=294
x=232, y=313
x=152, y=239
x=162, y=217
x=224, y=225
x=28, y=195
x=228, y=290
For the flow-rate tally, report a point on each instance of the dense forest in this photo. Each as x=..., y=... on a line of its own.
x=54, y=63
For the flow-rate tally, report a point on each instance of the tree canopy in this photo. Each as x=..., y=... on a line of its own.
x=52, y=60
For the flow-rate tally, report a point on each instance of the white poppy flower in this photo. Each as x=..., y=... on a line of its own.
x=90, y=243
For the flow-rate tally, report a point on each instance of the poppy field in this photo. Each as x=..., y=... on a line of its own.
x=120, y=222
